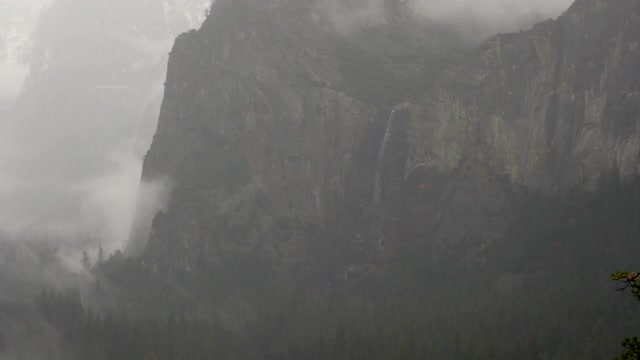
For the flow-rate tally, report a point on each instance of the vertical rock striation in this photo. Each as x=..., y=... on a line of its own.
x=258, y=143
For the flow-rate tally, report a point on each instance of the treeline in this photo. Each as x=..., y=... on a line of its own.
x=84, y=334
x=338, y=326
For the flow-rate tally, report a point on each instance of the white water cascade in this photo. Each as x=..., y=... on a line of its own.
x=377, y=187
x=377, y=182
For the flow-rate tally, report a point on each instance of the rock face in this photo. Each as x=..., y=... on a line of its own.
x=548, y=110
x=271, y=144
x=551, y=108
x=259, y=145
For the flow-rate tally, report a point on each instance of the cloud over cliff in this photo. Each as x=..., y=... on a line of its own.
x=476, y=19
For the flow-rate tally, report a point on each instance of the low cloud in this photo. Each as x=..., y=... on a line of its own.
x=101, y=208
x=13, y=76
x=72, y=143
x=479, y=19
x=153, y=197
x=474, y=20
x=116, y=198
x=348, y=16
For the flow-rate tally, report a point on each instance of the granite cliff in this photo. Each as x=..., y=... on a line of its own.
x=281, y=136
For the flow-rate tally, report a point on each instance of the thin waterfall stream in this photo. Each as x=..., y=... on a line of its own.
x=377, y=182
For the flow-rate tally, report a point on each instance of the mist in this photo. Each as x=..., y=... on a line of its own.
x=473, y=20
x=319, y=179
x=17, y=21
x=348, y=17
x=478, y=19
x=79, y=100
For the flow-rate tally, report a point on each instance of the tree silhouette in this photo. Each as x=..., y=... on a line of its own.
x=100, y=255
x=86, y=262
x=629, y=280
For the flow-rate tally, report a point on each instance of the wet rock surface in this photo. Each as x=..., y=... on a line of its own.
x=274, y=147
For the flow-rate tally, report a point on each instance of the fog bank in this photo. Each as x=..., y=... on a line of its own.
x=80, y=94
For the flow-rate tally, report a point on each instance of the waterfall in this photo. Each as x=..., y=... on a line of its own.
x=377, y=182
x=377, y=187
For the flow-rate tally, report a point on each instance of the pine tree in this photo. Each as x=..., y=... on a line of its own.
x=100, y=257
x=630, y=280
x=86, y=262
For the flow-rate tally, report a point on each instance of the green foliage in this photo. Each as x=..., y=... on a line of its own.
x=632, y=345
x=629, y=280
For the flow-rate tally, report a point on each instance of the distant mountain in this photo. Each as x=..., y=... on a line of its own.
x=17, y=20
x=87, y=111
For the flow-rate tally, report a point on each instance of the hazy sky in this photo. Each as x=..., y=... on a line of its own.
x=71, y=151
